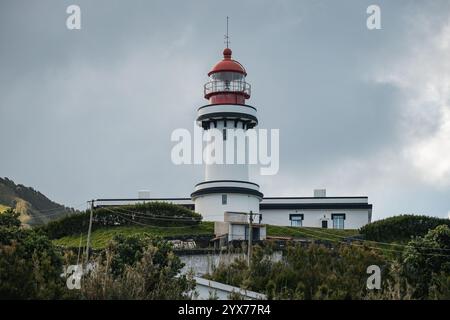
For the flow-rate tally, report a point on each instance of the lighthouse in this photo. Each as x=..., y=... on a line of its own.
x=226, y=186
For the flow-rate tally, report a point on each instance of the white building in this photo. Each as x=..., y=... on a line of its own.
x=235, y=226
x=226, y=185
x=227, y=188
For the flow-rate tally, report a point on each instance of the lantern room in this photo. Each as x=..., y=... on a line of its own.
x=227, y=82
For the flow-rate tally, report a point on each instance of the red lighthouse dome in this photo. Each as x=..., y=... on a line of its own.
x=228, y=64
x=227, y=82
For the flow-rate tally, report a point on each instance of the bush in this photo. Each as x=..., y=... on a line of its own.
x=30, y=265
x=401, y=228
x=10, y=218
x=426, y=263
x=137, y=267
x=155, y=213
x=311, y=272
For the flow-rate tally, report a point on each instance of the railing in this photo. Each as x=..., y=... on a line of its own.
x=227, y=86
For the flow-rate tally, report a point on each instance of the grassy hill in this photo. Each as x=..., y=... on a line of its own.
x=100, y=237
x=34, y=207
x=160, y=219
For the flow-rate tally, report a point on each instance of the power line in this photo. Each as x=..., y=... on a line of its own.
x=61, y=208
x=162, y=217
x=376, y=248
x=145, y=224
x=378, y=242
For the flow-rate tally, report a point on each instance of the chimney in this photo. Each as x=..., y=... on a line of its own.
x=143, y=194
x=320, y=193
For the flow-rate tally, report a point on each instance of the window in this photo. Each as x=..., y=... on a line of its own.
x=224, y=134
x=224, y=199
x=296, y=220
x=338, y=220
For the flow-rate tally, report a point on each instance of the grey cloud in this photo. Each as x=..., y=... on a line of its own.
x=89, y=113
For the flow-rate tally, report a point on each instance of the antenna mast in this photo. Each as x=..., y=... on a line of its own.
x=227, y=38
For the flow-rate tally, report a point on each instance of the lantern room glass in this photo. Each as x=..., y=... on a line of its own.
x=227, y=81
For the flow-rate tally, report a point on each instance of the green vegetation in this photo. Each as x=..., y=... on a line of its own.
x=401, y=228
x=427, y=264
x=10, y=219
x=156, y=214
x=306, y=272
x=315, y=271
x=137, y=265
x=34, y=207
x=101, y=237
x=30, y=265
x=310, y=233
x=131, y=267
x=137, y=268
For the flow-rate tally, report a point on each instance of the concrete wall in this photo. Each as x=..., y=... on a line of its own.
x=221, y=228
x=207, y=288
x=211, y=208
x=237, y=232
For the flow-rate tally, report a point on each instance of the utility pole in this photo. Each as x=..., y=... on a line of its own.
x=88, y=243
x=250, y=235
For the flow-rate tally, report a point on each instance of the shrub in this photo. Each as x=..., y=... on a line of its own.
x=154, y=213
x=30, y=265
x=137, y=268
x=401, y=228
x=10, y=218
x=306, y=272
x=426, y=262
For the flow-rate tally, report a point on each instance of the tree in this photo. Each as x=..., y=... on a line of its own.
x=305, y=272
x=426, y=262
x=10, y=218
x=137, y=267
x=30, y=266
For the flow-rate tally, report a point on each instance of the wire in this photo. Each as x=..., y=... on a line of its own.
x=66, y=212
x=153, y=216
x=168, y=218
x=60, y=208
x=378, y=248
x=145, y=224
x=377, y=242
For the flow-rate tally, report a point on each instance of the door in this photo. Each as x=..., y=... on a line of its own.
x=325, y=224
x=255, y=234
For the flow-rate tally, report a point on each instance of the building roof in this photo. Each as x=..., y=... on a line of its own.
x=267, y=203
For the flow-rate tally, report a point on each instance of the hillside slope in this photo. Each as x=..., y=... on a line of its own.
x=102, y=236
x=34, y=207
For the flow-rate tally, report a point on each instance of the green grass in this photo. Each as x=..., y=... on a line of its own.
x=389, y=250
x=100, y=237
x=310, y=233
x=3, y=208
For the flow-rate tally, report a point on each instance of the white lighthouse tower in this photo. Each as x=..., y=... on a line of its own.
x=226, y=187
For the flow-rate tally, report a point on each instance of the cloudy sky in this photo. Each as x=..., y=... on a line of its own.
x=89, y=113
